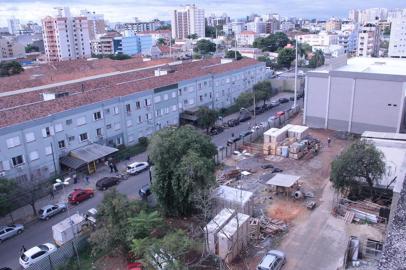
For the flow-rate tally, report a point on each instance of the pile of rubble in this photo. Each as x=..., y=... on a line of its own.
x=263, y=226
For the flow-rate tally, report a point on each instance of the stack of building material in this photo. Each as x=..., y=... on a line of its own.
x=298, y=132
x=271, y=226
x=233, y=237
x=296, y=150
x=234, y=198
x=254, y=228
x=215, y=225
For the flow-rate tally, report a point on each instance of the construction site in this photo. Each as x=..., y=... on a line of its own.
x=275, y=193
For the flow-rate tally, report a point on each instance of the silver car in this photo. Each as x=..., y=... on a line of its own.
x=10, y=231
x=48, y=211
x=273, y=260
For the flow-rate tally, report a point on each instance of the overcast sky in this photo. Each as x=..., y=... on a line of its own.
x=126, y=10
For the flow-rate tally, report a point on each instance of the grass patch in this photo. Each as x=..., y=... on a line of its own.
x=86, y=261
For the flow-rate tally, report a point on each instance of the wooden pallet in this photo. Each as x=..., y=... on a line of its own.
x=349, y=216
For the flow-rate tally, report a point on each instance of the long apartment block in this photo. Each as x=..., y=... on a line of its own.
x=41, y=125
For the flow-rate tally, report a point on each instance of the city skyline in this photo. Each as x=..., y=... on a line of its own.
x=125, y=10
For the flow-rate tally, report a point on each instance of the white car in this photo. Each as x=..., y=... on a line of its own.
x=137, y=167
x=36, y=254
x=273, y=260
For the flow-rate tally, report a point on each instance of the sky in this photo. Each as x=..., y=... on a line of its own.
x=126, y=10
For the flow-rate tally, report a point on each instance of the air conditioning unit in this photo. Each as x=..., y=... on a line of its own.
x=2, y=174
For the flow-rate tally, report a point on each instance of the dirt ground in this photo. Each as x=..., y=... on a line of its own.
x=315, y=239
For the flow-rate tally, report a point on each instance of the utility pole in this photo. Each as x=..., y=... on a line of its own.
x=296, y=60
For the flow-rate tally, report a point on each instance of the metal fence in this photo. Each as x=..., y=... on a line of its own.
x=224, y=152
x=62, y=255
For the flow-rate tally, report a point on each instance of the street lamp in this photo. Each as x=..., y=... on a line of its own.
x=65, y=183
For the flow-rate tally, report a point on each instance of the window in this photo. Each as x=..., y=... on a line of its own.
x=174, y=94
x=117, y=126
x=71, y=138
x=148, y=116
x=58, y=127
x=139, y=119
x=99, y=132
x=116, y=111
x=185, y=101
x=201, y=98
x=97, y=116
x=34, y=155
x=29, y=137
x=138, y=105
x=48, y=150
x=147, y=102
x=18, y=160
x=47, y=132
x=180, y=92
x=128, y=108
x=157, y=99
x=191, y=101
x=13, y=142
x=166, y=96
x=81, y=121
x=129, y=123
x=83, y=137
x=61, y=144
x=108, y=126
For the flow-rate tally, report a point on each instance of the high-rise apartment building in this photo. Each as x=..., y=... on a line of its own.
x=10, y=49
x=397, y=42
x=13, y=26
x=368, y=40
x=95, y=23
x=188, y=21
x=353, y=15
x=333, y=24
x=66, y=37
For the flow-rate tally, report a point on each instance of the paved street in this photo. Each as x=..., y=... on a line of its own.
x=40, y=232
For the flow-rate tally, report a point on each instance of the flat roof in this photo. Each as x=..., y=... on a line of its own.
x=283, y=180
x=66, y=223
x=219, y=220
x=233, y=194
x=232, y=226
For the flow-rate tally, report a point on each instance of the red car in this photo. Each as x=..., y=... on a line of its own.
x=135, y=266
x=280, y=113
x=79, y=195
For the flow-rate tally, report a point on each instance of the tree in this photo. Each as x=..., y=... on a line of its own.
x=205, y=46
x=7, y=190
x=120, y=56
x=192, y=36
x=184, y=164
x=31, y=48
x=10, y=68
x=361, y=163
x=272, y=43
x=141, y=225
x=210, y=31
x=161, y=41
x=285, y=57
x=268, y=62
x=231, y=54
x=207, y=117
x=317, y=60
x=263, y=90
x=244, y=100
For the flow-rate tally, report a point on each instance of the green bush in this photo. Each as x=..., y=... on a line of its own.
x=126, y=152
x=143, y=141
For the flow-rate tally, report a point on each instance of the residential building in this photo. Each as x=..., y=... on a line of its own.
x=36, y=138
x=257, y=26
x=354, y=15
x=333, y=25
x=142, y=26
x=372, y=15
x=272, y=26
x=103, y=44
x=253, y=53
x=246, y=38
x=397, y=42
x=96, y=23
x=396, y=13
x=287, y=26
x=166, y=35
x=132, y=44
x=363, y=94
x=10, y=49
x=215, y=21
x=233, y=28
x=368, y=40
x=348, y=37
x=13, y=26
x=320, y=39
x=188, y=21
x=330, y=51
x=66, y=37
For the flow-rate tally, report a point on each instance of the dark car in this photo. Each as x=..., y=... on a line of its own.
x=244, y=117
x=145, y=191
x=245, y=133
x=233, y=122
x=292, y=98
x=233, y=140
x=258, y=110
x=216, y=130
x=276, y=170
x=267, y=166
x=283, y=100
x=78, y=195
x=107, y=182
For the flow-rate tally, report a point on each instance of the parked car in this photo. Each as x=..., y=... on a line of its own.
x=292, y=98
x=246, y=133
x=137, y=167
x=233, y=122
x=283, y=100
x=216, y=130
x=36, y=254
x=273, y=260
x=258, y=110
x=275, y=103
x=267, y=166
x=10, y=231
x=78, y=195
x=50, y=210
x=276, y=170
x=280, y=113
x=135, y=266
x=145, y=191
x=245, y=116
x=233, y=140
x=107, y=182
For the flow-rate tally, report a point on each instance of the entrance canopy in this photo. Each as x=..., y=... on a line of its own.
x=283, y=180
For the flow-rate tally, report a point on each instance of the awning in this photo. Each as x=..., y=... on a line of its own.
x=72, y=162
x=92, y=152
x=283, y=180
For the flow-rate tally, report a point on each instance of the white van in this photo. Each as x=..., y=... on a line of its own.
x=137, y=167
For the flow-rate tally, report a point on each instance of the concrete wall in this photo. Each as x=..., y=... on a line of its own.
x=287, y=84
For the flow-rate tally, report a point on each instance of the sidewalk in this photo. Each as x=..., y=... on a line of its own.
x=25, y=215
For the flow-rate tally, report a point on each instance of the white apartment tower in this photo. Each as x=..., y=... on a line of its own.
x=188, y=21
x=13, y=26
x=95, y=22
x=368, y=41
x=397, y=42
x=66, y=37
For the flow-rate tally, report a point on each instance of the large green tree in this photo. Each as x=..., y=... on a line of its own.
x=207, y=117
x=183, y=159
x=263, y=91
x=272, y=43
x=205, y=46
x=10, y=68
x=317, y=60
x=7, y=191
x=244, y=100
x=232, y=54
x=361, y=163
x=285, y=57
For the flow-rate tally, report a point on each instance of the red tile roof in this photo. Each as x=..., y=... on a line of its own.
x=248, y=33
x=108, y=88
